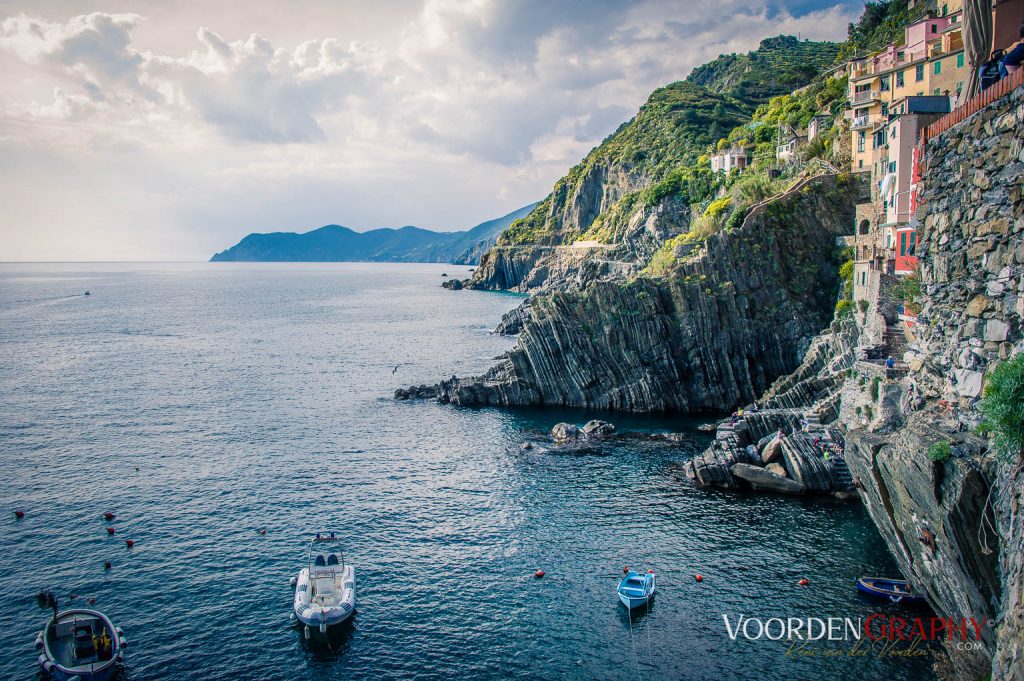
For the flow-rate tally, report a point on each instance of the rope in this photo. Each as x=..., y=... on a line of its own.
x=632, y=641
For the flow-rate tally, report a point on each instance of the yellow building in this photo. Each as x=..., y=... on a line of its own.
x=892, y=74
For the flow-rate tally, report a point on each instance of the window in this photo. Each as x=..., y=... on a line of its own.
x=885, y=108
x=885, y=83
x=860, y=142
x=903, y=243
x=861, y=162
x=935, y=28
x=899, y=55
x=919, y=73
x=960, y=60
x=945, y=9
x=938, y=66
x=937, y=92
x=899, y=78
x=892, y=166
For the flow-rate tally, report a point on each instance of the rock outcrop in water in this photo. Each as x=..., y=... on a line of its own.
x=737, y=314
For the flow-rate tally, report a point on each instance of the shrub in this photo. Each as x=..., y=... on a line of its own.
x=1003, y=408
x=874, y=388
x=939, y=451
x=844, y=308
x=863, y=305
x=868, y=413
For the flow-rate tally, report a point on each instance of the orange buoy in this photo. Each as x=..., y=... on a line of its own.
x=92, y=601
x=107, y=565
x=803, y=582
x=129, y=543
x=261, y=531
x=108, y=516
x=699, y=578
x=625, y=569
x=538, y=574
x=650, y=571
x=111, y=530
x=19, y=514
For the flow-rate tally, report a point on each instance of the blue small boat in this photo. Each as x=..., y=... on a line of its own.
x=636, y=589
x=896, y=590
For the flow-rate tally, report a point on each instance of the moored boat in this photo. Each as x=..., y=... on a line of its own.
x=325, y=590
x=80, y=644
x=637, y=589
x=895, y=590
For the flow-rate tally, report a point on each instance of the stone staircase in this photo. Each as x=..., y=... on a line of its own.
x=895, y=341
x=841, y=475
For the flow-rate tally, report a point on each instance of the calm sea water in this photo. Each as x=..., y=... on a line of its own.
x=201, y=402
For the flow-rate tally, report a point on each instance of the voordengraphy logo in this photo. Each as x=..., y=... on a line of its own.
x=879, y=634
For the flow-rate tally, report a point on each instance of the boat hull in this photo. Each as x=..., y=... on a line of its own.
x=60, y=670
x=636, y=590
x=895, y=590
x=324, y=615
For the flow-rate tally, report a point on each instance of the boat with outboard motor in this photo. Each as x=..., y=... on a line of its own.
x=79, y=644
x=325, y=590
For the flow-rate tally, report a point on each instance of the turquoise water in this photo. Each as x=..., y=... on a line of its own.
x=202, y=402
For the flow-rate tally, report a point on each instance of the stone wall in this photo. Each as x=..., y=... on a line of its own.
x=954, y=527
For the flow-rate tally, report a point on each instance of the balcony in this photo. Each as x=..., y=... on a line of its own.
x=861, y=122
x=866, y=96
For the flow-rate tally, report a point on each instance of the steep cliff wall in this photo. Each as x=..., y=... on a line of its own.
x=738, y=311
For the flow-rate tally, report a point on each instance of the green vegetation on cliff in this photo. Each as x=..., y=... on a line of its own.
x=779, y=65
x=1003, y=408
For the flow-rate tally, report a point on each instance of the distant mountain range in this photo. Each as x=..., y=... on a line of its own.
x=334, y=243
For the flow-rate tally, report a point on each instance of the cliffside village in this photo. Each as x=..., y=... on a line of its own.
x=898, y=97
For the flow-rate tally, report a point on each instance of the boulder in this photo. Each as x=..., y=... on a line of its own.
x=452, y=284
x=597, y=428
x=771, y=450
x=777, y=469
x=565, y=432
x=762, y=479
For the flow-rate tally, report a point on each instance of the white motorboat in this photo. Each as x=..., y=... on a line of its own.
x=79, y=644
x=325, y=590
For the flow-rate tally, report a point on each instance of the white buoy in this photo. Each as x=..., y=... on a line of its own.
x=306, y=632
x=122, y=641
x=291, y=582
x=42, y=660
x=323, y=627
x=39, y=642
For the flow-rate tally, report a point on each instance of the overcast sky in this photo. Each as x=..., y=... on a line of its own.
x=156, y=130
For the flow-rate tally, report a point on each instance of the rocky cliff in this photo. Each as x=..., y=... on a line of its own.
x=951, y=519
x=739, y=310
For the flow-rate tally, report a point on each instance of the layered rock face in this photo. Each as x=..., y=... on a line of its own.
x=972, y=266
x=955, y=527
x=936, y=521
x=738, y=313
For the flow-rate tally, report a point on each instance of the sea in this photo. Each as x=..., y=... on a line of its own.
x=204, y=403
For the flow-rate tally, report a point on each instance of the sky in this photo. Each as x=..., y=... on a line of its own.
x=155, y=130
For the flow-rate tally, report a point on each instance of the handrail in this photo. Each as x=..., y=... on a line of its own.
x=975, y=104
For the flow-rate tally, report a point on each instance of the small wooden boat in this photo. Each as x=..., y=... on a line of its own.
x=80, y=644
x=896, y=590
x=637, y=589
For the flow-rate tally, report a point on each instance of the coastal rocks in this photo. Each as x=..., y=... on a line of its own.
x=937, y=523
x=416, y=392
x=762, y=479
x=734, y=317
x=563, y=433
x=453, y=284
x=793, y=463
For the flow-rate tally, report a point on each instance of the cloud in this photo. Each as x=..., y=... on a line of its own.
x=498, y=97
